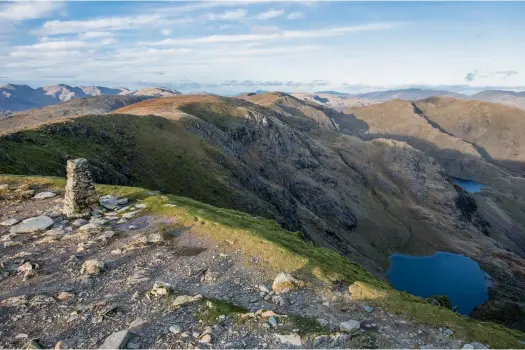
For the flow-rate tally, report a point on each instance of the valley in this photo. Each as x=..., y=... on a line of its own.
x=368, y=183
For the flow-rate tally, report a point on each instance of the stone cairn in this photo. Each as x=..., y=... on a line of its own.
x=81, y=196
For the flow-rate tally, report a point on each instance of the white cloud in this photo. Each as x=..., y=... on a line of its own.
x=233, y=15
x=95, y=35
x=295, y=15
x=19, y=11
x=53, y=45
x=290, y=34
x=58, y=47
x=165, y=32
x=99, y=24
x=270, y=14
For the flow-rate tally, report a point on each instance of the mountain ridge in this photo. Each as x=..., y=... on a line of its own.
x=16, y=98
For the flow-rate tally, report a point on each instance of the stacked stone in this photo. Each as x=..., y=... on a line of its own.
x=81, y=196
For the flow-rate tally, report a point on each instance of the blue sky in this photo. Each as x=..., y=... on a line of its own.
x=234, y=46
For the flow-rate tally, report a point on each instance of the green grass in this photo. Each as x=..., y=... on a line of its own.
x=280, y=250
x=210, y=310
x=305, y=325
x=150, y=152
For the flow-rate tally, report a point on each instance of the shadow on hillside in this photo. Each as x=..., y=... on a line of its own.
x=448, y=157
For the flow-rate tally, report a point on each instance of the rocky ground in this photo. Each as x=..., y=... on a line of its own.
x=124, y=278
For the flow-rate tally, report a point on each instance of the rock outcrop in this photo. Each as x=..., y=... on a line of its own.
x=81, y=195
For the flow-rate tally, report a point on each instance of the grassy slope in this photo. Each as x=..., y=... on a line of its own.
x=280, y=250
x=148, y=151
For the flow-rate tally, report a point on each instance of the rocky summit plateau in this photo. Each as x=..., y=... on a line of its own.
x=160, y=220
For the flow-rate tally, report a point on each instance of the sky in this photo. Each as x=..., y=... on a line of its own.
x=238, y=46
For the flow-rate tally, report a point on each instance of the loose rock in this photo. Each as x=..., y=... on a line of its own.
x=109, y=202
x=92, y=267
x=285, y=281
x=349, y=326
x=64, y=296
x=160, y=289
x=368, y=308
x=290, y=339
x=44, y=195
x=34, y=224
x=185, y=299
x=175, y=329
x=116, y=340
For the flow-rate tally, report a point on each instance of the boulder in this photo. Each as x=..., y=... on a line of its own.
x=34, y=224
x=64, y=296
x=206, y=339
x=44, y=195
x=155, y=238
x=92, y=267
x=160, y=289
x=349, y=326
x=116, y=340
x=284, y=281
x=109, y=202
x=290, y=339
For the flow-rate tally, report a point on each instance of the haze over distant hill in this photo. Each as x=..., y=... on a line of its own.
x=334, y=98
x=66, y=110
x=407, y=94
x=337, y=102
x=14, y=98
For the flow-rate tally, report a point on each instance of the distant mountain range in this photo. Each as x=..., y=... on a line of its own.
x=14, y=98
x=510, y=98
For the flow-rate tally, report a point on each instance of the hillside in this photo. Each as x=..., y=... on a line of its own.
x=299, y=163
x=198, y=274
x=153, y=92
x=510, y=98
x=495, y=129
x=406, y=94
x=337, y=102
x=304, y=165
x=64, y=111
x=465, y=127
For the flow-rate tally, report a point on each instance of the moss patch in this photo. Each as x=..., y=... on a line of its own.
x=210, y=310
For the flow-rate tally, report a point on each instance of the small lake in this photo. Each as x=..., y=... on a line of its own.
x=467, y=185
x=456, y=276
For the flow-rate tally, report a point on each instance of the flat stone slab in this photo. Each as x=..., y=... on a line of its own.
x=34, y=224
x=109, y=202
x=44, y=195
